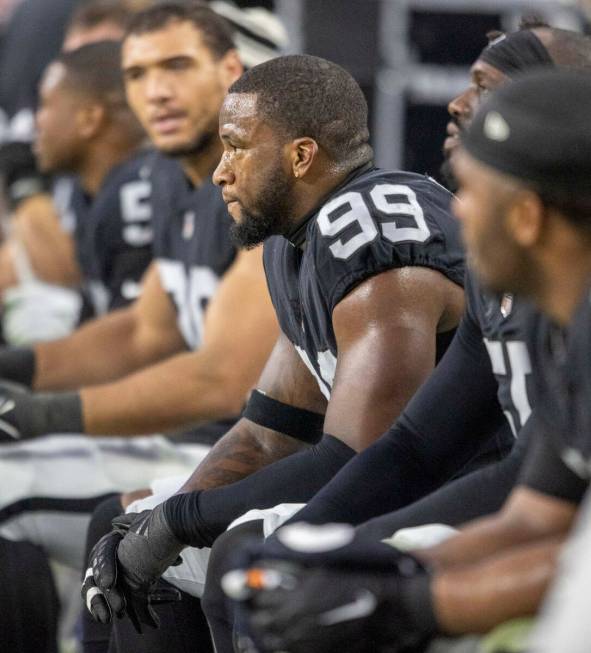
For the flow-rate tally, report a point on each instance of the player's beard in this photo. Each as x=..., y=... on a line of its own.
x=272, y=212
x=448, y=178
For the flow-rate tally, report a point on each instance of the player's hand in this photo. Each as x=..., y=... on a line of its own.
x=17, y=412
x=25, y=414
x=20, y=175
x=107, y=602
x=126, y=565
x=357, y=596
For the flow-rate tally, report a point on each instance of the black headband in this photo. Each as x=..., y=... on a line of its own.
x=537, y=129
x=516, y=52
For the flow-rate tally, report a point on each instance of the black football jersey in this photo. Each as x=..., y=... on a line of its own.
x=375, y=221
x=502, y=321
x=192, y=243
x=114, y=236
x=562, y=363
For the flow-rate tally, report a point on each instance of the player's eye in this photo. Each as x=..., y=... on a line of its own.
x=483, y=91
x=133, y=73
x=178, y=63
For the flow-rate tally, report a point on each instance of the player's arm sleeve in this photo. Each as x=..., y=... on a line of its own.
x=545, y=471
x=445, y=424
x=422, y=451
x=475, y=495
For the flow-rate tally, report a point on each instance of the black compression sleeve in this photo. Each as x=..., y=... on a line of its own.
x=544, y=471
x=443, y=426
x=198, y=518
x=478, y=494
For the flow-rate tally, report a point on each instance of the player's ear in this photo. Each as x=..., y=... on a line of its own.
x=525, y=218
x=232, y=67
x=303, y=153
x=90, y=119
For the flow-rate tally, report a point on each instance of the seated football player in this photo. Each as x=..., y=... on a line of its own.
x=523, y=172
x=364, y=268
x=448, y=417
x=185, y=354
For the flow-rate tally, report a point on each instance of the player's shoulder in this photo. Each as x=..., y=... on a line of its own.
x=380, y=220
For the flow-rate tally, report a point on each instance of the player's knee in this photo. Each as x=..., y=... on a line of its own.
x=213, y=600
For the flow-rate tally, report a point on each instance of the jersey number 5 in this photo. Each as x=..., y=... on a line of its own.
x=350, y=208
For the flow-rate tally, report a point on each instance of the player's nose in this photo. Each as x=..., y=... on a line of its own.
x=223, y=175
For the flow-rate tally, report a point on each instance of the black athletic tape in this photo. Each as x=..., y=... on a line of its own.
x=18, y=364
x=517, y=52
x=298, y=423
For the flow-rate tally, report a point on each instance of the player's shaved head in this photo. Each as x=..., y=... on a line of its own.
x=305, y=96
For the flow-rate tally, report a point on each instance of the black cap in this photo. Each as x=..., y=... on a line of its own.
x=537, y=129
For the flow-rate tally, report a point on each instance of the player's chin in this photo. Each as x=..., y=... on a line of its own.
x=235, y=211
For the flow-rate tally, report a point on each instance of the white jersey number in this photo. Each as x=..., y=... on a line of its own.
x=191, y=293
x=136, y=213
x=327, y=364
x=519, y=368
x=350, y=208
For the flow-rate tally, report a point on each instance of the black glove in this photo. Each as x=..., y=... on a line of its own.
x=20, y=175
x=24, y=414
x=125, y=568
x=359, y=596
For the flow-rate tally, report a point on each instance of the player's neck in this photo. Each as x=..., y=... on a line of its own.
x=316, y=188
x=199, y=167
x=565, y=284
x=99, y=162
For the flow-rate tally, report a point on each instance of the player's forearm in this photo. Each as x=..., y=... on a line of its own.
x=245, y=449
x=98, y=352
x=177, y=393
x=527, y=517
x=474, y=599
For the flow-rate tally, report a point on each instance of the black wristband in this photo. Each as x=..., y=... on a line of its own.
x=270, y=413
x=18, y=364
x=416, y=601
x=56, y=413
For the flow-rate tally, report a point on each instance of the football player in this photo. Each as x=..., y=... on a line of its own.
x=448, y=418
x=523, y=172
x=364, y=268
x=85, y=127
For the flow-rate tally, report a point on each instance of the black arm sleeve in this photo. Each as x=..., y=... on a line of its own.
x=198, y=518
x=480, y=493
x=443, y=426
x=544, y=471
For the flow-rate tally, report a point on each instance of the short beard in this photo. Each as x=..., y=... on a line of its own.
x=272, y=213
x=447, y=175
x=195, y=148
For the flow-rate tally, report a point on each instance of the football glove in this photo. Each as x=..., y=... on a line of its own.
x=24, y=414
x=324, y=589
x=126, y=565
x=20, y=176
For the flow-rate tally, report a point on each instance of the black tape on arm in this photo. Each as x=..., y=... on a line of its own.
x=198, y=518
x=298, y=423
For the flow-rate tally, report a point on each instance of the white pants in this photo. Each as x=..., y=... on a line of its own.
x=191, y=574
x=49, y=486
